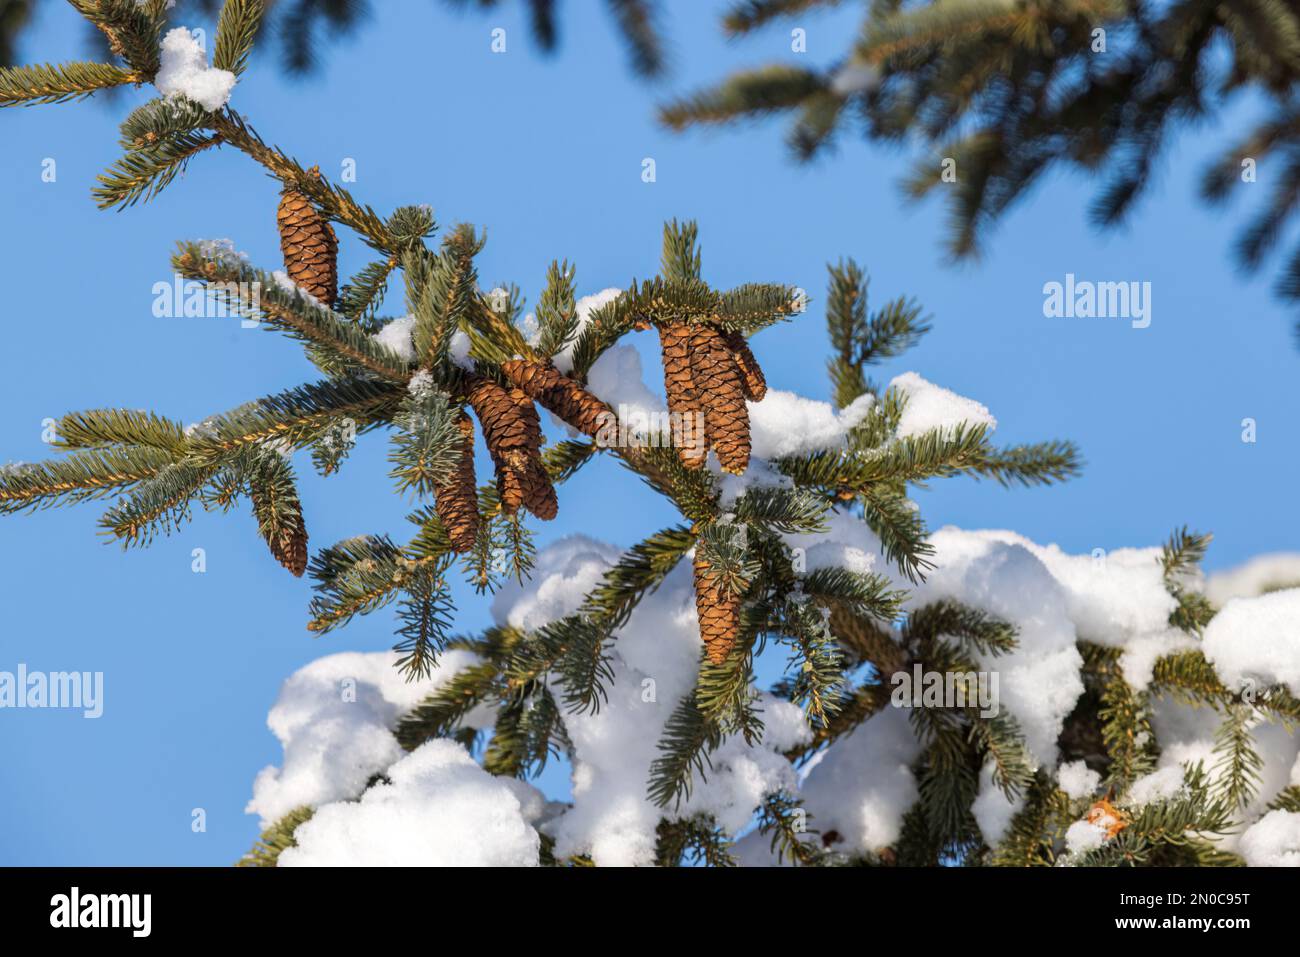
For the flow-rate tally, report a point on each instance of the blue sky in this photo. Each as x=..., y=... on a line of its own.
x=546, y=154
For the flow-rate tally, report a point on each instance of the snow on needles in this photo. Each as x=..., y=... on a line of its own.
x=437, y=809
x=788, y=424
x=653, y=660
x=584, y=307
x=1077, y=780
x=185, y=72
x=1264, y=573
x=1257, y=639
x=396, y=337
x=1273, y=841
x=334, y=718
x=933, y=407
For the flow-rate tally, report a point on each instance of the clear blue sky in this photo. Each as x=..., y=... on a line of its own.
x=546, y=153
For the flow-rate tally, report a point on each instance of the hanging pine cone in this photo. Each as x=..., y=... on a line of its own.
x=684, y=401
x=718, y=609
x=539, y=493
x=719, y=384
x=289, y=545
x=513, y=435
x=751, y=375
x=555, y=391
x=310, y=247
x=457, y=501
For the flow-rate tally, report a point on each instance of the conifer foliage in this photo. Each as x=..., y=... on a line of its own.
x=524, y=691
x=1002, y=91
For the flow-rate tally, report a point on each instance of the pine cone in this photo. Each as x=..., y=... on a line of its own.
x=569, y=401
x=718, y=380
x=539, y=493
x=718, y=609
x=683, y=398
x=457, y=501
x=310, y=247
x=750, y=373
x=510, y=480
x=513, y=434
x=290, y=546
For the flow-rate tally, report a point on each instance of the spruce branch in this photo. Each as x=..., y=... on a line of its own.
x=745, y=16
x=159, y=120
x=83, y=476
x=557, y=314
x=237, y=29
x=427, y=445
x=1237, y=763
x=1044, y=463
x=141, y=175
x=99, y=428
x=754, y=93
x=425, y=615
x=276, y=839
x=47, y=83
x=288, y=310
x=440, y=713
x=158, y=504
x=133, y=29
x=296, y=417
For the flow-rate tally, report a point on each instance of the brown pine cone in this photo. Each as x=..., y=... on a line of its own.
x=513, y=434
x=751, y=375
x=718, y=610
x=555, y=391
x=309, y=245
x=539, y=493
x=722, y=391
x=684, y=401
x=510, y=469
x=457, y=501
x=289, y=546
x=507, y=416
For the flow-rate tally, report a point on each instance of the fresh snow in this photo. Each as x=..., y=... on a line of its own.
x=932, y=407
x=1264, y=573
x=185, y=72
x=1257, y=639
x=335, y=720
x=396, y=337
x=862, y=785
x=459, y=348
x=1084, y=836
x=439, y=809
x=616, y=379
x=1153, y=788
x=993, y=810
x=335, y=717
x=1273, y=841
x=788, y=424
x=1077, y=781
x=584, y=307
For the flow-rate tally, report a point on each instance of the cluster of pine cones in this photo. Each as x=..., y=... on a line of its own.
x=709, y=374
